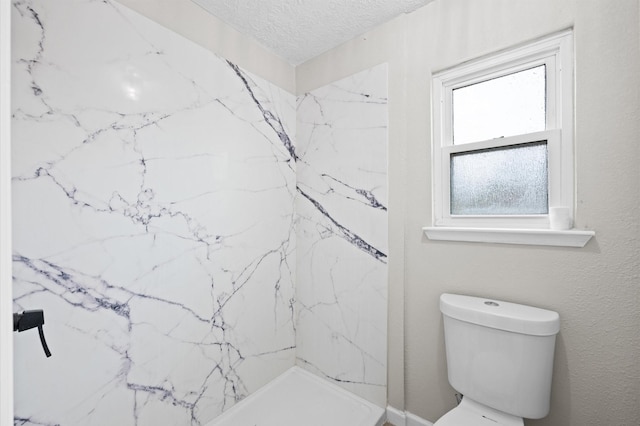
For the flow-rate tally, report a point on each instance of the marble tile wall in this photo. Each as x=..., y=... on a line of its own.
x=341, y=285
x=153, y=211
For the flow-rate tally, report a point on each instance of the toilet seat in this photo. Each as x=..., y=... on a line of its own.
x=472, y=413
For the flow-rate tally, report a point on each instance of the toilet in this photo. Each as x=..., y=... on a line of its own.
x=500, y=358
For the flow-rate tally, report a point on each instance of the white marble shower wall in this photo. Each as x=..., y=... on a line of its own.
x=153, y=213
x=154, y=192
x=341, y=207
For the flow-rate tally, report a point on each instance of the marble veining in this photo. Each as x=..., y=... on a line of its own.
x=153, y=205
x=343, y=231
x=341, y=286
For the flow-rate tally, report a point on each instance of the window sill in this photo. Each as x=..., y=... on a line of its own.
x=538, y=237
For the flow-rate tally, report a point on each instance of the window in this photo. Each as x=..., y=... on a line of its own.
x=503, y=138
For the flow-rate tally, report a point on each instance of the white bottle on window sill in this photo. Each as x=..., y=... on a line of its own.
x=560, y=218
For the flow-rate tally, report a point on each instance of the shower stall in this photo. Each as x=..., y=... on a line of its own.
x=191, y=231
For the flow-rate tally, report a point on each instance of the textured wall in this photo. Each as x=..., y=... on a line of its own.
x=341, y=210
x=153, y=201
x=595, y=289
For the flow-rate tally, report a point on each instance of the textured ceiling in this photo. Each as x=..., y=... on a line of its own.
x=298, y=30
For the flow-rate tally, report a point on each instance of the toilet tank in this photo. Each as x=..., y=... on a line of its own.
x=500, y=354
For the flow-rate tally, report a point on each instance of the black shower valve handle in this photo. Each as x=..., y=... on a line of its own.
x=31, y=319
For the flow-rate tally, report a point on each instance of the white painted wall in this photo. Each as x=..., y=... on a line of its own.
x=595, y=289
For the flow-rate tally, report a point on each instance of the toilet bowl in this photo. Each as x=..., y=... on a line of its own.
x=500, y=358
x=470, y=412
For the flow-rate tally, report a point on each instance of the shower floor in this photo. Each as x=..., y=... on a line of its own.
x=298, y=397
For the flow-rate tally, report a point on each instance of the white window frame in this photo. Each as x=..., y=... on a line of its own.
x=556, y=53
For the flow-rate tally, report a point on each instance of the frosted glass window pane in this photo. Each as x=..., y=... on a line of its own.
x=506, y=106
x=500, y=181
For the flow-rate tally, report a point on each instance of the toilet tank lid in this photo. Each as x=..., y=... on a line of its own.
x=500, y=315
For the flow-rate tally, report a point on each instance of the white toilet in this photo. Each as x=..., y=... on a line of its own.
x=500, y=358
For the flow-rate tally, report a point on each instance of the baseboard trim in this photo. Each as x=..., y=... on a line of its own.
x=404, y=418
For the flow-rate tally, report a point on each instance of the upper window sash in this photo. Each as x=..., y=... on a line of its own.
x=550, y=94
x=546, y=52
